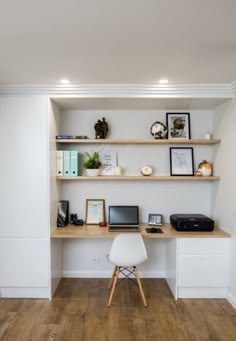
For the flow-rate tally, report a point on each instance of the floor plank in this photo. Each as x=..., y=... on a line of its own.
x=78, y=311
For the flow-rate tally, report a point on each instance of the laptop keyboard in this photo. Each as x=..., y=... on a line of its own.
x=124, y=228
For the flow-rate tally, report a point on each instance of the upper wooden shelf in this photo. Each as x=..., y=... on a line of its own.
x=140, y=178
x=140, y=141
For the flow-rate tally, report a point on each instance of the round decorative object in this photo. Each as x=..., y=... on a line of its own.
x=158, y=130
x=146, y=170
x=205, y=168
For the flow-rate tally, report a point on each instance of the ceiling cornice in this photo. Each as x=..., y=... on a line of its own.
x=233, y=86
x=124, y=90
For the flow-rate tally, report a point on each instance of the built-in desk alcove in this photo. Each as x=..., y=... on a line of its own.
x=129, y=121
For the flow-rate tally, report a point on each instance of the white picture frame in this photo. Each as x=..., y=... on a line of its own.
x=108, y=159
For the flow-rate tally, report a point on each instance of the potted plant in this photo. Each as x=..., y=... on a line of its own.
x=92, y=164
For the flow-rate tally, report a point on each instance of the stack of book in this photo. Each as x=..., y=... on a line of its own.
x=67, y=162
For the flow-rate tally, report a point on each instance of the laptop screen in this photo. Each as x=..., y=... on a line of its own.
x=123, y=215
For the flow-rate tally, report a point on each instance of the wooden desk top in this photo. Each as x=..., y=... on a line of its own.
x=94, y=231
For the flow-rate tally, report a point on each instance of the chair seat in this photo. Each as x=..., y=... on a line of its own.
x=128, y=250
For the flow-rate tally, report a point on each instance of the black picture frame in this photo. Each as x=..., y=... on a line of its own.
x=178, y=125
x=154, y=219
x=181, y=161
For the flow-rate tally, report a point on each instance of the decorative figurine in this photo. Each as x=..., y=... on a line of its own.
x=101, y=129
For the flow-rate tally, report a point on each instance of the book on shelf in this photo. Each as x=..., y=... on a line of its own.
x=71, y=137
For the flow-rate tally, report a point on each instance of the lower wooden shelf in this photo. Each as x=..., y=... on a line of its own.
x=139, y=178
x=94, y=231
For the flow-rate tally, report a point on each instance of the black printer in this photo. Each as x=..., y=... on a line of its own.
x=191, y=222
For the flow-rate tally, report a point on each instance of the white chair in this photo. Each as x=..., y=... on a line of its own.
x=127, y=251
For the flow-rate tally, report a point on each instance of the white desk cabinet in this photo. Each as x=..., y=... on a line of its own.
x=202, y=267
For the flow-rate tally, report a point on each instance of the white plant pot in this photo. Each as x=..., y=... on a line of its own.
x=93, y=172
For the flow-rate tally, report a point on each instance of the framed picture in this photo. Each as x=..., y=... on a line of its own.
x=154, y=219
x=108, y=159
x=181, y=161
x=178, y=125
x=95, y=211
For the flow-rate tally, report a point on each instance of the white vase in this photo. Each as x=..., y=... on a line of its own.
x=205, y=171
x=93, y=172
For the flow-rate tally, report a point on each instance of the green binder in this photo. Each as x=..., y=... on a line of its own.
x=74, y=163
x=66, y=163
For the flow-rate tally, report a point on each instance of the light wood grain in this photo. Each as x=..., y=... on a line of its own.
x=78, y=311
x=94, y=231
x=139, y=141
x=138, y=178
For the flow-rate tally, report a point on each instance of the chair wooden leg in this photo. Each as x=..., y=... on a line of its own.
x=112, y=277
x=113, y=287
x=140, y=286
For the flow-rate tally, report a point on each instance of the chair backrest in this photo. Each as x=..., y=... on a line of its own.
x=128, y=250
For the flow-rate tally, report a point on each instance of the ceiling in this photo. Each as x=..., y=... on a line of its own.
x=68, y=103
x=123, y=41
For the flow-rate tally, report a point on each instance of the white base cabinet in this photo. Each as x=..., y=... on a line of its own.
x=202, y=267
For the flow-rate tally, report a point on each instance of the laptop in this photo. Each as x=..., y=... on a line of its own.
x=123, y=219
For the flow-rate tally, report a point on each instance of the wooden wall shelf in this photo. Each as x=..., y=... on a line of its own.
x=139, y=178
x=139, y=141
x=95, y=231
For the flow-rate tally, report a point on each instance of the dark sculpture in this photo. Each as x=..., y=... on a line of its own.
x=101, y=129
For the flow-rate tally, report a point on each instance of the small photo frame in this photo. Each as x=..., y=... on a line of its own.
x=154, y=219
x=95, y=211
x=181, y=161
x=178, y=125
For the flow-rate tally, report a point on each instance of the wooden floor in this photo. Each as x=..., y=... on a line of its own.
x=79, y=311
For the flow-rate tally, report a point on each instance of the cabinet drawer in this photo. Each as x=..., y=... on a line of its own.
x=200, y=246
x=203, y=271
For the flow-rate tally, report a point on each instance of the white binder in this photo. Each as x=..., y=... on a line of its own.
x=59, y=156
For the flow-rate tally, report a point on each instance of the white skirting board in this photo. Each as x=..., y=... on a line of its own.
x=17, y=292
x=231, y=299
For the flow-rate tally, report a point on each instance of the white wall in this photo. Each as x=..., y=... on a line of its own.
x=88, y=258
x=159, y=197
x=224, y=196
x=151, y=196
x=55, y=194
x=24, y=229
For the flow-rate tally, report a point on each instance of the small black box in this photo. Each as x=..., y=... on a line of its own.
x=191, y=222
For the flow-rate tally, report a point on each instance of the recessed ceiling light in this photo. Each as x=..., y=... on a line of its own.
x=163, y=81
x=64, y=81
